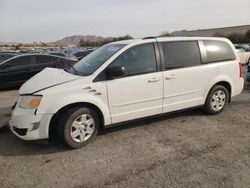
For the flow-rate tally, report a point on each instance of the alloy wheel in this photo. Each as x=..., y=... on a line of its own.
x=218, y=100
x=82, y=128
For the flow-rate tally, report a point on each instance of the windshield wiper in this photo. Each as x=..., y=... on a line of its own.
x=69, y=70
x=78, y=72
x=74, y=69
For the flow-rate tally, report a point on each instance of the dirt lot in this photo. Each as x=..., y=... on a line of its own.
x=185, y=149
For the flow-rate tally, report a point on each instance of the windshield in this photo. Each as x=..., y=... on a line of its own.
x=93, y=61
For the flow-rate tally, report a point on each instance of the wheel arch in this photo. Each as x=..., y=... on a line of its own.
x=54, y=120
x=227, y=85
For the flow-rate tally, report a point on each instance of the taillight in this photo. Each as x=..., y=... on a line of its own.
x=241, y=70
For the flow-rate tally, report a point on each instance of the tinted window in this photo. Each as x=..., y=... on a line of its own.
x=137, y=60
x=79, y=54
x=181, y=54
x=43, y=59
x=59, y=60
x=20, y=61
x=218, y=51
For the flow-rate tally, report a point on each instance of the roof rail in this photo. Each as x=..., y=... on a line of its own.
x=149, y=38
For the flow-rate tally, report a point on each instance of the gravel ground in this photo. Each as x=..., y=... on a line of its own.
x=184, y=149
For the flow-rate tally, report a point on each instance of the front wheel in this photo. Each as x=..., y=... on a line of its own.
x=216, y=100
x=78, y=126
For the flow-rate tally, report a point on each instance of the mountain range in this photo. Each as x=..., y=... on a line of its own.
x=70, y=40
x=75, y=39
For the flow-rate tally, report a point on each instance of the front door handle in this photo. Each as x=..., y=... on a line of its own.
x=154, y=80
x=170, y=77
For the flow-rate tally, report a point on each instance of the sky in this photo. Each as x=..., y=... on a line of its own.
x=50, y=20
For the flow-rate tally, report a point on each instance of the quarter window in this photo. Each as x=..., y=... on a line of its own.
x=138, y=60
x=218, y=51
x=181, y=54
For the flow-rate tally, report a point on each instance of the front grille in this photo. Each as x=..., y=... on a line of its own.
x=21, y=132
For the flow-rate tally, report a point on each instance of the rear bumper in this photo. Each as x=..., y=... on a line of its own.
x=238, y=87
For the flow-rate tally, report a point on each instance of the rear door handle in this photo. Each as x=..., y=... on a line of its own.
x=154, y=80
x=170, y=77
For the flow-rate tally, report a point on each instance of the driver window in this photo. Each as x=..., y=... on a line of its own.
x=137, y=60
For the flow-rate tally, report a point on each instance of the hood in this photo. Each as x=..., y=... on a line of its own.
x=47, y=78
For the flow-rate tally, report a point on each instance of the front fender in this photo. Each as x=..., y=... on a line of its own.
x=65, y=100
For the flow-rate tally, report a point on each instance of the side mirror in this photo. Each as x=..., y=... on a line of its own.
x=116, y=72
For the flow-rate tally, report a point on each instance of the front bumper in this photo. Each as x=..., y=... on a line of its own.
x=27, y=125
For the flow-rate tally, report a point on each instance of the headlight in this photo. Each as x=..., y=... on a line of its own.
x=30, y=101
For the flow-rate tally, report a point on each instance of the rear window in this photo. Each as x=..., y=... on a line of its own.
x=42, y=59
x=181, y=54
x=58, y=60
x=218, y=51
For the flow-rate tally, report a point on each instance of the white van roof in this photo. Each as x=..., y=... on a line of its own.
x=162, y=39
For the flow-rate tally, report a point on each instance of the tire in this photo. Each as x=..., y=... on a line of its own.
x=78, y=126
x=217, y=99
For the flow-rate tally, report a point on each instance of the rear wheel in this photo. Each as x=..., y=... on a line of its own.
x=216, y=100
x=78, y=126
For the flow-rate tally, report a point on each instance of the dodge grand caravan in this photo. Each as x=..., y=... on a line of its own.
x=127, y=80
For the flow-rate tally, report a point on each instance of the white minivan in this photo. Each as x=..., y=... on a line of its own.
x=127, y=80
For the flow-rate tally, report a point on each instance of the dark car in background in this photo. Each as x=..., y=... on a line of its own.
x=15, y=71
x=81, y=54
x=246, y=47
x=61, y=54
x=65, y=55
x=248, y=73
x=7, y=55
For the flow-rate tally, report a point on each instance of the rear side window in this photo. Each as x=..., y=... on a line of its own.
x=181, y=54
x=218, y=51
x=42, y=59
x=58, y=60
